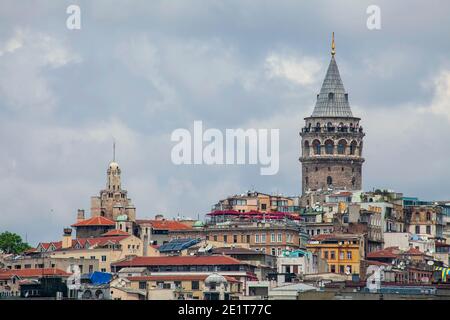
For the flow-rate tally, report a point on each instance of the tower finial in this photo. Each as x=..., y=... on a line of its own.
x=333, y=46
x=114, y=150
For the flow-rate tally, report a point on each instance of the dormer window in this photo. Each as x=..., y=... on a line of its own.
x=331, y=96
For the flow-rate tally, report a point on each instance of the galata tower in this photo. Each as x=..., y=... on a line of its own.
x=332, y=139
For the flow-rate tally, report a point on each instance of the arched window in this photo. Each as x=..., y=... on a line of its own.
x=353, y=148
x=353, y=181
x=318, y=127
x=329, y=181
x=306, y=146
x=330, y=127
x=316, y=146
x=329, y=146
x=330, y=96
x=428, y=216
x=342, y=144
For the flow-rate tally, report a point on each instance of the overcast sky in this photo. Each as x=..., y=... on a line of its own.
x=137, y=71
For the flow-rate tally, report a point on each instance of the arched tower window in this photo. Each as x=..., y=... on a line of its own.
x=316, y=146
x=329, y=146
x=318, y=127
x=342, y=144
x=306, y=148
x=353, y=148
x=330, y=96
x=330, y=127
x=329, y=180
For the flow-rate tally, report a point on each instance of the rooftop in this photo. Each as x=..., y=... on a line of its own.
x=95, y=221
x=178, y=261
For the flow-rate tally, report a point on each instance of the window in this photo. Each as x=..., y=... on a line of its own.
x=257, y=238
x=103, y=258
x=103, y=270
x=428, y=229
x=332, y=255
x=248, y=238
x=349, y=268
x=417, y=229
x=272, y=237
x=195, y=285
x=329, y=146
x=329, y=180
x=273, y=251
x=428, y=216
x=353, y=148
x=263, y=238
x=142, y=285
x=332, y=268
x=341, y=146
x=225, y=238
x=280, y=237
x=263, y=206
x=349, y=255
x=341, y=255
x=330, y=96
x=215, y=238
x=316, y=146
x=325, y=255
x=341, y=269
x=235, y=238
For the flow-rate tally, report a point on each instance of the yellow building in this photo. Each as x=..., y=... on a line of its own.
x=342, y=252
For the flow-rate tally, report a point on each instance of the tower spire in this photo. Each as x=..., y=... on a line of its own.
x=333, y=46
x=114, y=150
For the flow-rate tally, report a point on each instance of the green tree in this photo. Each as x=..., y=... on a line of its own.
x=12, y=243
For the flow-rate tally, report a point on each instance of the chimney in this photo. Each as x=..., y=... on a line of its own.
x=80, y=215
x=67, y=238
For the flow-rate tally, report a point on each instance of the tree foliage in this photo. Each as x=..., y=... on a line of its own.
x=12, y=243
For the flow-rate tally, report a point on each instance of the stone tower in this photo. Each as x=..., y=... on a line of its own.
x=113, y=201
x=332, y=139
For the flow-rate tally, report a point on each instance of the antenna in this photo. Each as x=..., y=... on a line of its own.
x=114, y=150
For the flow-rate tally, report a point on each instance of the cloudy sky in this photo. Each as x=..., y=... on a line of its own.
x=138, y=70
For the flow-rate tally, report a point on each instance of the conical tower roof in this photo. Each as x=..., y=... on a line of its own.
x=332, y=100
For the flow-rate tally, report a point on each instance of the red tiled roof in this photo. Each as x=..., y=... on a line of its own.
x=115, y=232
x=178, y=261
x=181, y=277
x=99, y=241
x=414, y=252
x=165, y=224
x=389, y=253
x=337, y=236
x=95, y=221
x=33, y=273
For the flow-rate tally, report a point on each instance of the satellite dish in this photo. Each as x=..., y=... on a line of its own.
x=430, y=262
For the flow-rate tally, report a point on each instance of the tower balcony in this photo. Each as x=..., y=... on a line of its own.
x=333, y=129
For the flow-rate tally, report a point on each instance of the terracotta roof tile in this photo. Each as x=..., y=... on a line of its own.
x=165, y=224
x=33, y=273
x=178, y=261
x=115, y=232
x=95, y=221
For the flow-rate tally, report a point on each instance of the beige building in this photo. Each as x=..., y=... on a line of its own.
x=105, y=249
x=256, y=201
